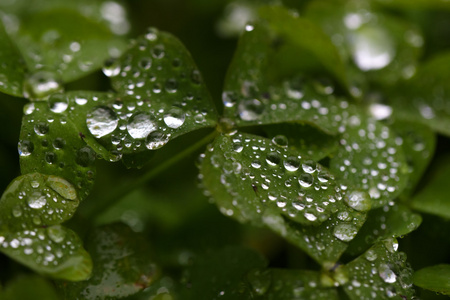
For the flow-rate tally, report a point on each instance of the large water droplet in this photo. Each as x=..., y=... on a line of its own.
x=85, y=157
x=58, y=103
x=306, y=180
x=56, y=233
x=25, y=148
x=101, y=121
x=41, y=84
x=358, y=201
x=175, y=117
x=273, y=158
x=250, y=110
x=372, y=48
x=291, y=164
x=309, y=166
x=140, y=125
x=345, y=232
x=280, y=140
x=156, y=140
x=111, y=68
x=62, y=187
x=387, y=274
x=36, y=200
x=41, y=128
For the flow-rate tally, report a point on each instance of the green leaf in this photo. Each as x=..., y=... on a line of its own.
x=305, y=139
x=384, y=268
x=370, y=159
x=36, y=288
x=418, y=143
x=122, y=265
x=56, y=51
x=303, y=34
x=383, y=223
x=425, y=97
x=289, y=284
x=433, y=198
x=257, y=180
x=384, y=47
x=434, y=278
x=221, y=274
x=31, y=209
x=51, y=144
x=12, y=67
x=414, y=5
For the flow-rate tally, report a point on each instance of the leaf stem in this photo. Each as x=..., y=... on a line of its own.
x=124, y=189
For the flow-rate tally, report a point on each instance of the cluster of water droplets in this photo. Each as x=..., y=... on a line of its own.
x=380, y=273
x=39, y=200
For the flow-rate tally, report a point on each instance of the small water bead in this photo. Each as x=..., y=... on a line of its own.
x=175, y=118
x=273, y=158
x=280, y=140
x=256, y=164
x=145, y=63
x=85, y=157
x=36, y=200
x=158, y=51
x=309, y=166
x=41, y=128
x=260, y=280
x=62, y=187
x=111, y=68
x=298, y=205
x=156, y=140
x=58, y=103
x=306, y=180
x=25, y=148
x=80, y=101
x=152, y=34
x=101, y=121
x=171, y=85
x=371, y=255
x=291, y=164
x=29, y=108
x=50, y=157
x=141, y=124
x=59, y=143
x=345, y=232
x=310, y=217
x=229, y=99
x=16, y=211
x=250, y=110
x=56, y=233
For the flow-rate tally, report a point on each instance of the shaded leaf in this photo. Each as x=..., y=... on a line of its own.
x=221, y=274
x=31, y=209
x=53, y=251
x=29, y=287
x=418, y=143
x=433, y=198
x=260, y=181
x=425, y=98
x=434, y=278
x=386, y=269
x=305, y=139
x=383, y=223
x=413, y=5
x=385, y=47
x=51, y=144
x=122, y=266
x=303, y=34
x=289, y=284
x=64, y=52
x=12, y=67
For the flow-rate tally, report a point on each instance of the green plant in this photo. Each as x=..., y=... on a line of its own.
x=315, y=160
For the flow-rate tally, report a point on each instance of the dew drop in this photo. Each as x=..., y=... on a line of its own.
x=36, y=200
x=371, y=255
x=25, y=148
x=101, y=121
x=387, y=274
x=145, y=63
x=85, y=157
x=156, y=140
x=345, y=232
x=309, y=166
x=140, y=125
x=58, y=103
x=171, y=85
x=56, y=233
x=260, y=280
x=291, y=164
x=273, y=158
x=50, y=157
x=174, y=118
x=158, y=51
x=59, y=143
x=310, y=217
x=111, y=68
x=306, y=180
x=280, y=140
x=358, y=200
x=40, y=85
x=62, y=187
x=250, y=110
x=80, y=101
x=41, y=128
